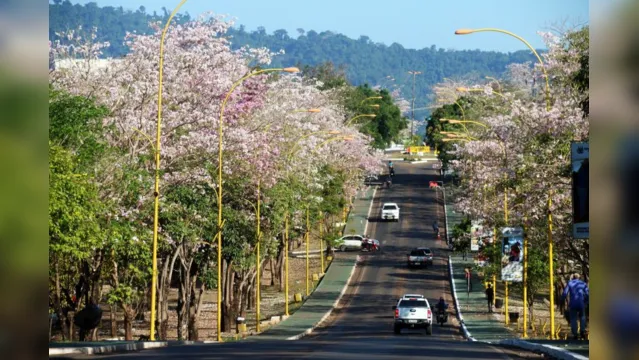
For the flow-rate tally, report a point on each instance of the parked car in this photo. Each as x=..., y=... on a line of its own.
x=413, y=313
x=420, y=257
x=350, y=242
x=372, y=179
x=390, y=211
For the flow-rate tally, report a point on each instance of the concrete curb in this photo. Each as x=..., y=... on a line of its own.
x=550, y=350
x=460, y=317
x=90, y=350
x=130, y=346
x=329, y=312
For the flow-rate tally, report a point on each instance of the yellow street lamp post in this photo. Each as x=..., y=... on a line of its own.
x=286, y=264
x=525, y=335
x=219, y=190
x=156, y=192
x=258, y=262
x=321, y=243
x=551, y=270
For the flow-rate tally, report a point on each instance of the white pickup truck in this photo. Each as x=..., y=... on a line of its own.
x=390, y=211
x=413, y=313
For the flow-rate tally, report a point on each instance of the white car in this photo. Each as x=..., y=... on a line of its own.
x=390, y=211
x=413, y=313
x=350, y=242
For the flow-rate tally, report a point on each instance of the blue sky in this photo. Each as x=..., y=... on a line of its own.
x=412, y=23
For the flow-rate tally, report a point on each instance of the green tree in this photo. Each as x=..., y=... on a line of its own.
x=75, y=234
x=388, y=122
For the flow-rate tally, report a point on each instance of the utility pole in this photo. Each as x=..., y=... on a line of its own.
x=413, y=107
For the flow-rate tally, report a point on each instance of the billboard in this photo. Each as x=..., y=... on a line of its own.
x=580, y=156
x=512, y=254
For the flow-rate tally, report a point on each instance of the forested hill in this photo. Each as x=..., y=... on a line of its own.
x=364, y=60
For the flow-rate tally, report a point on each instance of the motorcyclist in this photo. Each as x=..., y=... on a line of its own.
x=390, y=164
x=442, y=306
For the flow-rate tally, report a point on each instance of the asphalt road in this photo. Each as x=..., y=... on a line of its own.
x=362, y=327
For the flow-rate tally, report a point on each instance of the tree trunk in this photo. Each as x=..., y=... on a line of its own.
x=114, y=322
x=273, y=274
x=228, y=315
x=182, y=306
x=196, y=305
x=128, y=325
x=165, y=287
x=280, y=268
x=58, y=304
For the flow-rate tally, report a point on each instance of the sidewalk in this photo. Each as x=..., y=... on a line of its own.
x=321, y=302
x=474, y=309
x=318, y=305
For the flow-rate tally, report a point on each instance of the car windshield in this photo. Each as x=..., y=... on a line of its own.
x=413, y=303
x=417, y=253
x=390, y=207
x=427, y=251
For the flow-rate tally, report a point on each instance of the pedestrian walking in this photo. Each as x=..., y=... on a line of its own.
x=435, y=227
x=490, y=296
x=579, y=298
x=469, y=282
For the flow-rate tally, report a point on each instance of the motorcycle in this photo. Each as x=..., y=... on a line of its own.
x=442, y=317
x=387, y=183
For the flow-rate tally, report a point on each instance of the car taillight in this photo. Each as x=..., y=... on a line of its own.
x=428, y=313
x=396, y=313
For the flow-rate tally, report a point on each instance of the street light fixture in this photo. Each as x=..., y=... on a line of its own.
x=359, y=116
x=312, y=110
x=370, y=98
x=455, y=121
x=543, y=68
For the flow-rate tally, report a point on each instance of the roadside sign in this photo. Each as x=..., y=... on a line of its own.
x=580, y=156
x=512, y=269
x=419, y=149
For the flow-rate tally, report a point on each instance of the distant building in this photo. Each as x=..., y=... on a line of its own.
x=67, y=63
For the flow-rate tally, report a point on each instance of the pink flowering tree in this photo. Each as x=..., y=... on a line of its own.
x=265, y=142
x=520, y=157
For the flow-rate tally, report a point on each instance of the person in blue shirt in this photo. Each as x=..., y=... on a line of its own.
x=579, y=297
